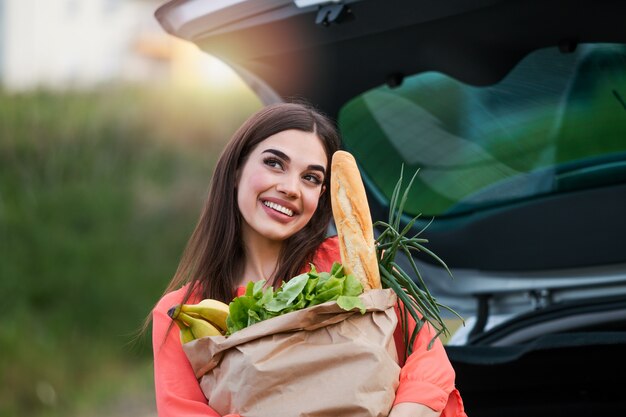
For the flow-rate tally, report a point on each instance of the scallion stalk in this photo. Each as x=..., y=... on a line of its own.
x=417, y=301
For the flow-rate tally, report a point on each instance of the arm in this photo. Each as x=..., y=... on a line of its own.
x=413, y=410
x=178, y=393
x=426, y=387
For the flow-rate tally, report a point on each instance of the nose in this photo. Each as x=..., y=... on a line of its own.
x=289, y=186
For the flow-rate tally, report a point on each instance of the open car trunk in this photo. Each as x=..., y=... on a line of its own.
x=541, y=279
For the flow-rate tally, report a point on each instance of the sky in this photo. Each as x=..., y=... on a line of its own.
x=70, y=44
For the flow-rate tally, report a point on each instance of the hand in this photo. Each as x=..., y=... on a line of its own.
x=413, y=410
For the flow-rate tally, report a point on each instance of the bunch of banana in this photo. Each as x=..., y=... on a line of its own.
x=206, y=318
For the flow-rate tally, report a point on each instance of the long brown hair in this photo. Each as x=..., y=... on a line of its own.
x=213, y=260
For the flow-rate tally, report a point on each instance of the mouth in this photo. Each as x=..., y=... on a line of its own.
x=279, y=208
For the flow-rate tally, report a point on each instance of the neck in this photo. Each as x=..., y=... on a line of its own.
x=261, y=259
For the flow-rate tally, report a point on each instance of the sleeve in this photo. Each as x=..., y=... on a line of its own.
x=178, y=393
x=427, y=376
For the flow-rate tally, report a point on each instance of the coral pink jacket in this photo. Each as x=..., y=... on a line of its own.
x=427, y=377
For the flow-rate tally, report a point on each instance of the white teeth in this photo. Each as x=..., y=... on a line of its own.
x=278, y=207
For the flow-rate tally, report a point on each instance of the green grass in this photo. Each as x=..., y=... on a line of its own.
x=99, y=192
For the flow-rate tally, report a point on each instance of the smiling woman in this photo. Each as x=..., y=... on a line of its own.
x=266, y=217
x=265, y=220
x=277, y=157
x=278, y=191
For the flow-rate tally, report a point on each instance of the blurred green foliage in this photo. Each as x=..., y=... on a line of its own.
x=99, y=192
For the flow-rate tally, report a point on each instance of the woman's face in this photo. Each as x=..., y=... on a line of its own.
x=280, y=184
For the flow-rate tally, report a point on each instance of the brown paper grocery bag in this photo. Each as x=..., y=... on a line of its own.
x=320, y=361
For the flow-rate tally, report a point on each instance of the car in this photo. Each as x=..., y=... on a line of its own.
x=512, y=116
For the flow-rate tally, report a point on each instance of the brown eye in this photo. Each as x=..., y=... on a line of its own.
x=273, y=162
x=312, y=178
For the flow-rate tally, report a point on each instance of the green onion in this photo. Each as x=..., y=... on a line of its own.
x=417, y=301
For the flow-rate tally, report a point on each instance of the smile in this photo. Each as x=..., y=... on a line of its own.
x=279, y=208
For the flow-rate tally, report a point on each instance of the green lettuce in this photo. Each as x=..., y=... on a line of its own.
x=305, y=290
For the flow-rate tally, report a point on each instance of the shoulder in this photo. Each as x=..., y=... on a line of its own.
x=331, y=242
x=171, y=298
x=326, y=254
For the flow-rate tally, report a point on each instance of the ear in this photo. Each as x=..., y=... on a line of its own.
x=323, y=190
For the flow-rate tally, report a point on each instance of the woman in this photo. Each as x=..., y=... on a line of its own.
x=266, y=217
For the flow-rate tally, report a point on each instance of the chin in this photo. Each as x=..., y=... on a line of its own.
x=272, y=235
x=276, y=237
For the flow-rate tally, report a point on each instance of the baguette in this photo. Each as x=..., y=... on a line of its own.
x=353, y=221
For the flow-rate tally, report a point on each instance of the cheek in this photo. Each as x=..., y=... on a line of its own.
x=253, y=183
x=247, y=190
x=311, y=201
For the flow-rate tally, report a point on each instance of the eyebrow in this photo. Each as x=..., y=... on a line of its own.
x=286, y=158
